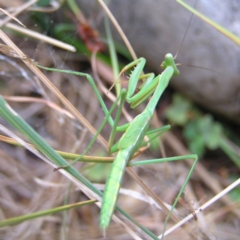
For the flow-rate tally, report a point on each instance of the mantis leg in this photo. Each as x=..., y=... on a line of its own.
x=161, y=160
x=92, y=83
x=148, y=87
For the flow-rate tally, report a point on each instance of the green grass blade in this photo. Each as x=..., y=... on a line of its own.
x=17, y=220
x=113, y=55
x=221, y=29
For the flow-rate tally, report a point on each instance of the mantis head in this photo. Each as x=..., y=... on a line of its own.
x=169, y=62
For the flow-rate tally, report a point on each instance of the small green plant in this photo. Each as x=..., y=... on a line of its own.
x=200, y=131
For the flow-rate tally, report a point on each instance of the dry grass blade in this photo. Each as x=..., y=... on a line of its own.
x=10, y=17
x=203, y=207
x=38, y=100
x=16, y=12
x=28, y=32
x=8, y=51
x=117, y=26
x=41, y=37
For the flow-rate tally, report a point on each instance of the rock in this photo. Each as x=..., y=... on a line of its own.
x=155, y=28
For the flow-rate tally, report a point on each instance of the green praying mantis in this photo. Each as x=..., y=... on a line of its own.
x=133, y=137
x=134, y=132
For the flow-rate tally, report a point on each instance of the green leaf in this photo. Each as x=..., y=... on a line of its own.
x=178, y=111
x=194, y=138
x=203, y=132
